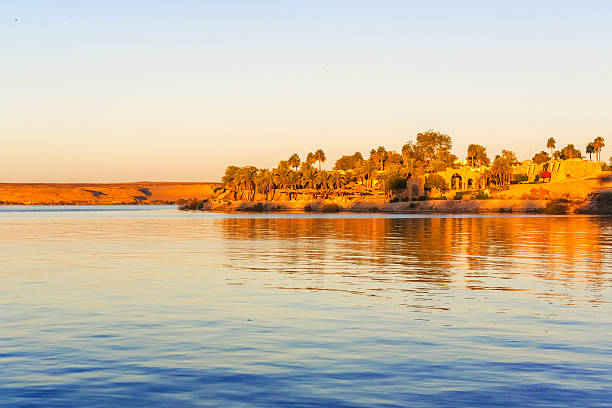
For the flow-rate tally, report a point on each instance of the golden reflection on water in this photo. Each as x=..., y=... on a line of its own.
x=548, y=256
x=116, y=303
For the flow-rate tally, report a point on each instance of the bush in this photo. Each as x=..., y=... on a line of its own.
x=556, y=207
x=308, y=208
x=192, y=204
x=259, y=207
x=520, y=178
x=396, y=183
x=436, y=181
x=330, y=208
x=412, y=205
x=481, y=196
x=394, y=200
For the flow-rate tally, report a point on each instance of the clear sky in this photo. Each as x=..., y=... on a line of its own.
x=177, y=90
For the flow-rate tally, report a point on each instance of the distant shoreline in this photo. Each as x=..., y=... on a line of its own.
x=137, y=193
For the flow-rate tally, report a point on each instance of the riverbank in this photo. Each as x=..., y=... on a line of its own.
x=104, y=193
x=561, y=206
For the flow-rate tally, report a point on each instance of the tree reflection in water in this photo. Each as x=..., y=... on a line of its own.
x=544, y=256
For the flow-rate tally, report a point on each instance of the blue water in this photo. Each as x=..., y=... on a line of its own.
x=152, y=307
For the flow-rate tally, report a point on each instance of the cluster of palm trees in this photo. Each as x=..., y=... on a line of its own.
x=571, y=152
x=383, y=172
x=292, y=177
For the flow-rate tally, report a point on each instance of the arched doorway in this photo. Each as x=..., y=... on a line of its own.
x=456, y=182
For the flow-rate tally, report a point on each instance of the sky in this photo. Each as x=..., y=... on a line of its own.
x=112, y=91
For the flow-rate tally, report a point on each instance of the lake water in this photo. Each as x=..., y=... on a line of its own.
x=149, y=306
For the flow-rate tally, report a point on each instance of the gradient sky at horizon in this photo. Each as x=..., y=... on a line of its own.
x=157, y=90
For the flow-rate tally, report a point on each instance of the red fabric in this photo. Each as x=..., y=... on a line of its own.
x=546, y=174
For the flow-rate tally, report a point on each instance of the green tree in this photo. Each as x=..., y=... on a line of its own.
x=367, y=170
x=477, y=154
x=247, y=177
x=264, y=182
x=381, y=155
x=570, y=152
x=541, y=157
x=231, y=180
x=431, y=142
x=436, y=181
x=393, y=180
x=510, y=156
x=501, y=170
x=348, y=162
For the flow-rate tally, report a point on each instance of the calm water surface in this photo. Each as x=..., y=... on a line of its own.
x=148, y=306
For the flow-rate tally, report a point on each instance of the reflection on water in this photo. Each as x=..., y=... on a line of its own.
x=552, y=254
x=154, y=307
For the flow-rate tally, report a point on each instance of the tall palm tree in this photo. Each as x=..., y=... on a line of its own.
x=598, y=143
x=294, y=161
x=590, y=149
x=382, y=155
x=369, y=169
x=264, y=182
x=319, y=156
x=310, y=158
x=551, y=145
x=247, y=179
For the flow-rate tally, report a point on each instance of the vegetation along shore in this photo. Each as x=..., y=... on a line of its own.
x=424, y=176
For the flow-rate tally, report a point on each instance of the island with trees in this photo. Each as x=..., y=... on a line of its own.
x=423, y=176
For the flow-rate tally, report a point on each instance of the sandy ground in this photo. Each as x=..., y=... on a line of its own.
x=119, y=193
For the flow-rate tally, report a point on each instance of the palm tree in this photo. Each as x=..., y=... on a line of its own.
x=369, y=169
x=294, y=161
x=551, y=145
x=501, y=170
x=247, y=179
x=590, y=149
x=324, y=182
x=382, y=155
x=319, y=156
x=338, y=179
x=310, y=158
x=281, y=176
x=308, y=176
x=598, y=143
x=264, y=182
x=230, y=179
